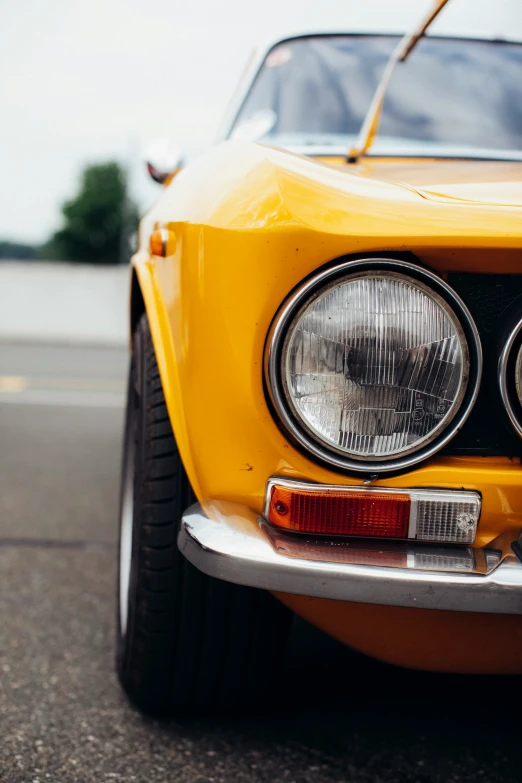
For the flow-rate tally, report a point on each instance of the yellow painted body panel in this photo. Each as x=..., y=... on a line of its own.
x=419, y=638
x=250, y=223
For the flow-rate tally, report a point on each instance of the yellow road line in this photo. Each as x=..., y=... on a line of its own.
x=13, y=383
x=19, y=383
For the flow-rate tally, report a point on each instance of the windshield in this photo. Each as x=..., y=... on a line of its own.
x=450, y=94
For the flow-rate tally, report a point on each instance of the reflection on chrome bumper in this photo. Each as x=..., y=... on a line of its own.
x=229, y=541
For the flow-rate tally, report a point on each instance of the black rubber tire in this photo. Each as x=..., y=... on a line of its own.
x=193, y=644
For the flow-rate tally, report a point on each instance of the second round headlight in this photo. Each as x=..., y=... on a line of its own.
x=374, y=366
x=510, y=376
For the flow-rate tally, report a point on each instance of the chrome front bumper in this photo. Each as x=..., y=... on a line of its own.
x=231, y=542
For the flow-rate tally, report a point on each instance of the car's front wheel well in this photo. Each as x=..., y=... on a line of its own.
x=137, y=303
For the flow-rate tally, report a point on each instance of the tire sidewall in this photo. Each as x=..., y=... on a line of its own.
x=134, y=424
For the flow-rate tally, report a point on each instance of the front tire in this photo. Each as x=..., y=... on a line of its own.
x=187, y=643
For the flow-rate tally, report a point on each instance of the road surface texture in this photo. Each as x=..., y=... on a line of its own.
x=339, y=717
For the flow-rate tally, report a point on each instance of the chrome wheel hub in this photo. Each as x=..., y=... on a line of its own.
x=126, y=524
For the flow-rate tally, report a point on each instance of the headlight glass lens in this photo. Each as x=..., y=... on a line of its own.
x=375, y=366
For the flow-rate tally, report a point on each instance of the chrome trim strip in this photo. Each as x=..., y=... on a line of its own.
x=275, y=340
x=414, y=510
x=225, y=541
x=503, y=381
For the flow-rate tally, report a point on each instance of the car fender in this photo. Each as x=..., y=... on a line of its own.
x=154, y=305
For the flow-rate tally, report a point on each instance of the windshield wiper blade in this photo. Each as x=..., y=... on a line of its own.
x=370, y=126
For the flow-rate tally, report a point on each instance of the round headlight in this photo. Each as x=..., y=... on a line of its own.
x=510, y=376
x=374, y=366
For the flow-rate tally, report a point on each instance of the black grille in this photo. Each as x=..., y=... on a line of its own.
x=495, y=302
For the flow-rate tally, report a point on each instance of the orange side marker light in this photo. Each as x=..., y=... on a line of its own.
x=162, y=242
x=355, y=513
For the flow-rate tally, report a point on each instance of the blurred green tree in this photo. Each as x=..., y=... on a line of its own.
x=99, y=222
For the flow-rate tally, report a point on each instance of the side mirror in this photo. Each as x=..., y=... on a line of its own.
x=164, y=160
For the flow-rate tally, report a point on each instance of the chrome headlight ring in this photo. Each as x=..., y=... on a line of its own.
x=301, y=299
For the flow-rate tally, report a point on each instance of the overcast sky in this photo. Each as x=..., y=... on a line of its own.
x=90, y=80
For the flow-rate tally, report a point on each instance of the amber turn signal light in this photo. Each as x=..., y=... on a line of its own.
x=355, y=513
x=162, y=242
x=421, y=514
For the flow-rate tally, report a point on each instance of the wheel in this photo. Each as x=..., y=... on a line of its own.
x=186, y=642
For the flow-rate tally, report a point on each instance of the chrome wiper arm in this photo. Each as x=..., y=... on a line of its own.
x=372, y=119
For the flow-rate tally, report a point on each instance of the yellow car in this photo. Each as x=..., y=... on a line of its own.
x=325, y=395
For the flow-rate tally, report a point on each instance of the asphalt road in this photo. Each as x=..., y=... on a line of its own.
x=339, y=717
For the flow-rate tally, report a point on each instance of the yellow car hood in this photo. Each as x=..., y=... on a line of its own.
x=489, y=183
x=245, y=187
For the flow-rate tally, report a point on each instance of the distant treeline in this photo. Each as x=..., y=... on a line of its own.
x=17, y=250
x=98, y=225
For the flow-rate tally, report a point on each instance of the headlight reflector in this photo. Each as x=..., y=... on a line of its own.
x=375, y=366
